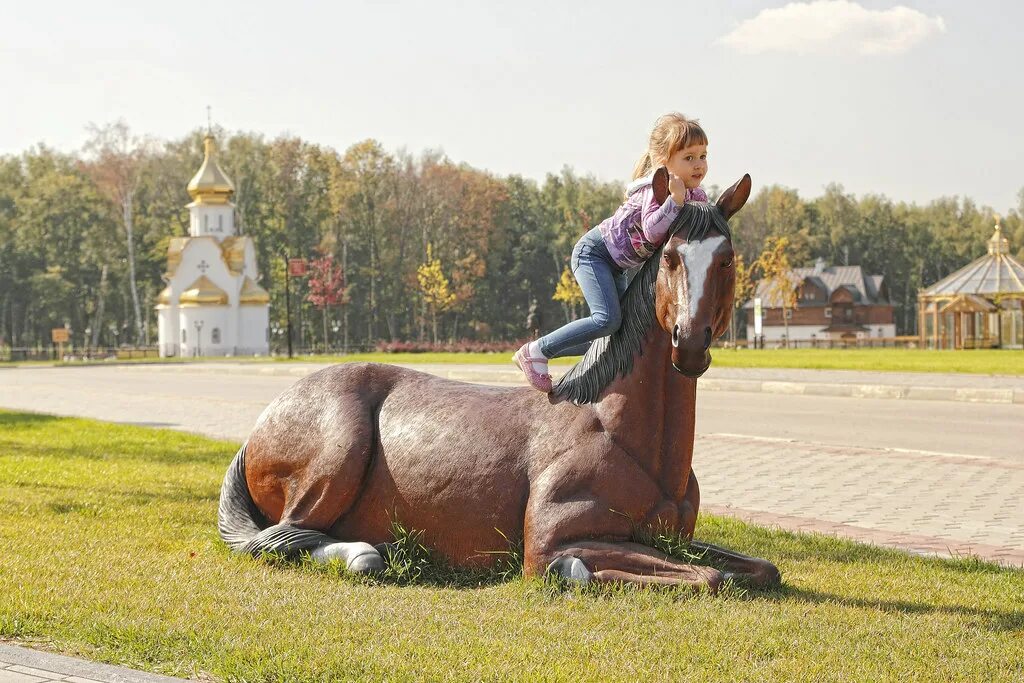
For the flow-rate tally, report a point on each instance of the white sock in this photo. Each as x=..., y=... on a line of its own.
x=533, y=350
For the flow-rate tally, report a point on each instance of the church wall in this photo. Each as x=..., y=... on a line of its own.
x=254, y=321
x=167, y=331
x=201, y=324
x=217, y=220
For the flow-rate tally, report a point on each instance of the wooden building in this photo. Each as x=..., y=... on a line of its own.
x=978, y=306
x=833, y=302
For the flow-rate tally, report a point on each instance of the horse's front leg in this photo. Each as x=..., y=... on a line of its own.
x=627, y=562
x=751, y=570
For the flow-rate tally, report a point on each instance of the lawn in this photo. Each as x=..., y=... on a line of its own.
x=985, y=362
x=111, y=553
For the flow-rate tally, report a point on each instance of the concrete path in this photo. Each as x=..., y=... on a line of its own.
x=846, y=383
x=943, y=477
x=22, y=665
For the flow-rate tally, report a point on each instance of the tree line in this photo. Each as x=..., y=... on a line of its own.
x=428, y=248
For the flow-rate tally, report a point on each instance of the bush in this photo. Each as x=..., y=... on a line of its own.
x=461, y=346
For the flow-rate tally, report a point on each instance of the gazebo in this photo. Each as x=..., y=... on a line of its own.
x=978, y=306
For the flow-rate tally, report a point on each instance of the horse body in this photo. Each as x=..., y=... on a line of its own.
x=574, y=474
x=421, y=449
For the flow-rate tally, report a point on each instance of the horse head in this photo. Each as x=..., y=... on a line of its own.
x=696, y=280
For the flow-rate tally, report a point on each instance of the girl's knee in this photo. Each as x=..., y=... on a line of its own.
x=607, y=321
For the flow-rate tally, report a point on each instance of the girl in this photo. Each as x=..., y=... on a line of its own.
x=625, y=240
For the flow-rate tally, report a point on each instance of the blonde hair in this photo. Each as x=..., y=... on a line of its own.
x=671, y=132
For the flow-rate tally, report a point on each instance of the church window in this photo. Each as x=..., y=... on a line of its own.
x=215, y=336
x=183, y=336
x=206, y=222
x=220, y=223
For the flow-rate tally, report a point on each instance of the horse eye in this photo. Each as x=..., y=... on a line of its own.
x=727, y=263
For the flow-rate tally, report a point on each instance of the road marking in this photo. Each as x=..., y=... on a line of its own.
x=907, y=451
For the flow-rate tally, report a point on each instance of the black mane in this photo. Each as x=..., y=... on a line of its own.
x=612, y=356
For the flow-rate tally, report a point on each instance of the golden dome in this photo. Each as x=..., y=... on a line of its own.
x=163, y=299
x=252, y=293
x=203, y=292
x=210, y=185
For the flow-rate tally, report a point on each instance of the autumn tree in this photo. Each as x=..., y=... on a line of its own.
x=744, y=289
x=326, y=287
x=116, y=159
x=434, y=287
x=568, y=293
x=777, y=274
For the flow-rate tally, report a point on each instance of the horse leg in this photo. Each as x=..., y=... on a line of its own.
x=606, y=561
x=752, y=570
x=325, y=474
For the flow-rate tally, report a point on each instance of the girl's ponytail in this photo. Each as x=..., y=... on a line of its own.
x=643, y=166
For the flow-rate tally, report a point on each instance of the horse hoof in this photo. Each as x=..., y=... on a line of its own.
x=571, y=569
x=367, y=563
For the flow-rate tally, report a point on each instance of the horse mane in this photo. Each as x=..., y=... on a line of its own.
x=612, y=356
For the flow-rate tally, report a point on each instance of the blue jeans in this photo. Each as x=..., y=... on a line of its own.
x=603, y=284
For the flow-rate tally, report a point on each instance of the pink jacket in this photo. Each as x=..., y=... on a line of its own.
x=639, y=227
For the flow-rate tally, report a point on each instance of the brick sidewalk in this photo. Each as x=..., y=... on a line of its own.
x=955, y=504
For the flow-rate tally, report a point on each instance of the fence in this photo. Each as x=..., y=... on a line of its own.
x=51, y=353
x=904, y=342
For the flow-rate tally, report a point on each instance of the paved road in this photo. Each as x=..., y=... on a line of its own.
x=930, y=476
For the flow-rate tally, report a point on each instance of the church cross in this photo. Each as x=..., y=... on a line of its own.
x=209, y=121
x=203, y=266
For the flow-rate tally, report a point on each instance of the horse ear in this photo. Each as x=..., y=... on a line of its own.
x=660, y=185
x=733, y=199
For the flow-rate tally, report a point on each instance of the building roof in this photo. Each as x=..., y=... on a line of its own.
x=210, y=185
x=203, y=292
x=252, y=293
x=997, y=272
x=865, y=289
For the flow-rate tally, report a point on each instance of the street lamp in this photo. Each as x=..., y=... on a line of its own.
x=199, y=336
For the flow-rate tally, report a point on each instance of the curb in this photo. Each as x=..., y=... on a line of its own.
x=36, y=665
x=512, y=377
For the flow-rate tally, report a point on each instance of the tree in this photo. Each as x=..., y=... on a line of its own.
x=568, y=293
x=326, y=287
x=434, y=287
x=744, y=289
x=117, y=159
x=778, y=277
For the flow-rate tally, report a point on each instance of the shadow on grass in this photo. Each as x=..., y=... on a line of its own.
x=8, y=419
x=994, y=620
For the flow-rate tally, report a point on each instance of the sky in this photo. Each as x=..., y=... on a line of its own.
x=916, y=101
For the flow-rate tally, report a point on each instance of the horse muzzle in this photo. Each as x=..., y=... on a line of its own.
x=691, y=357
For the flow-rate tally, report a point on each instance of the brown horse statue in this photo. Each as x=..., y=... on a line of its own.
x=345, y=451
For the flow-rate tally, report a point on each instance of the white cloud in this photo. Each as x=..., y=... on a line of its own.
x=833, y=27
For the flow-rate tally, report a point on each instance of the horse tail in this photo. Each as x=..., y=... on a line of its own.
x=244, y=528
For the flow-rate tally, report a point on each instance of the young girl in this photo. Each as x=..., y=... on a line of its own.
x=625, y=240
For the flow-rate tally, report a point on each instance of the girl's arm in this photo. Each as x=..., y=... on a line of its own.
x=655, y=220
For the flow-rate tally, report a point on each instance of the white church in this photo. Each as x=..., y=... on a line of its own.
x=212, y=305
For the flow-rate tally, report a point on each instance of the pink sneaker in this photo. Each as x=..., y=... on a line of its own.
x=541, y=382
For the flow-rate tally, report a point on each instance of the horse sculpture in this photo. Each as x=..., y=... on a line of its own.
x=574, y=474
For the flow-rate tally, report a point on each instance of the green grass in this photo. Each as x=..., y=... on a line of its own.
x=985, y=362
x=110, y=552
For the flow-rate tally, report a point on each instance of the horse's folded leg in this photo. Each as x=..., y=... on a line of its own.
x=570, y=568
x=752, y=570
x=608, y=562
x=360, y=558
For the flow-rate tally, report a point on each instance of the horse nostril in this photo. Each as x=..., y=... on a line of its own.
x=707, y=338
x=675, y=336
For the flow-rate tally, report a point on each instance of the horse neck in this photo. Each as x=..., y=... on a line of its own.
x=649, y=413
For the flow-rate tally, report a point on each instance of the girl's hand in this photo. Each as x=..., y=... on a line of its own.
x=677, y=189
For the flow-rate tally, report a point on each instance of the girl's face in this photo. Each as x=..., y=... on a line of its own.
x=689, y=164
